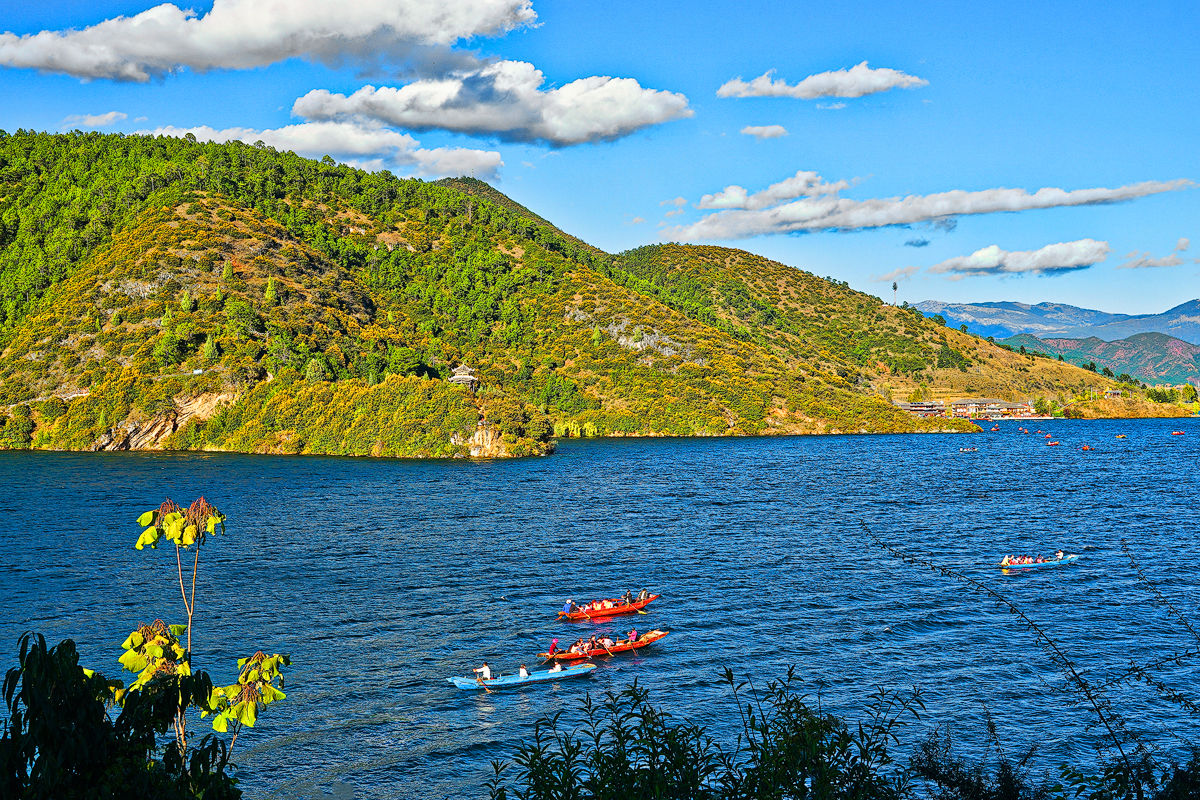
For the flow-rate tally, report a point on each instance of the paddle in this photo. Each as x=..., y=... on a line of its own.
x=479, y=680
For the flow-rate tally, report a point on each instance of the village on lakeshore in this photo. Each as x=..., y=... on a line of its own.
x=982, y=408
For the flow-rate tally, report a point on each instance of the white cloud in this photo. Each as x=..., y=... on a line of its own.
x=765, y=131
x=1053, y=258
x=678, y=202
x=506, y=99
x=637, y=221
x=803, y=183
x=363, y=146
x=896, y=274
x=831, y=106
x=1137, y=260
x=241, y=34
x=818, y=207
x=96, y=120
x=856, y=81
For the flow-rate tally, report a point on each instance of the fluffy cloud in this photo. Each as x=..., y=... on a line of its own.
x=857, y=81
x=506, y=99
x=1053, y=258
x=240, y=34
x=95, y=120
x=896, y=274
x=805, y=202
x=803, y=183
x=1143, y=260
x=765, y=131
x=364, y=146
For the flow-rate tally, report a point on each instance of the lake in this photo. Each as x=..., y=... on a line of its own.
x=382, y=578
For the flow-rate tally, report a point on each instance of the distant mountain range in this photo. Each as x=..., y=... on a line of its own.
x=1059, y=320
x=1149, y=357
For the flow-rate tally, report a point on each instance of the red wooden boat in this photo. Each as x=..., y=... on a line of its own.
x=596, y=609
x=620, y=647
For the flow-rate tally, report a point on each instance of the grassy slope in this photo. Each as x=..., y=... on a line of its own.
x=823, y=327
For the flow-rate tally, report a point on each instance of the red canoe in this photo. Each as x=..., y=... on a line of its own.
x=618, y=606
x=646, y=638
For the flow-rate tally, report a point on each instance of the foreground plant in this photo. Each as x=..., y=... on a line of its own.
x=61, y=739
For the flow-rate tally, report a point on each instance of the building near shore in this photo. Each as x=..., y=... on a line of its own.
x=989, y=408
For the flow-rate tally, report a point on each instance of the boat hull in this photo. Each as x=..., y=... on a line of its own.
x=511, y=681
x=1071, y=559
x=623, y=608
x=650, y=637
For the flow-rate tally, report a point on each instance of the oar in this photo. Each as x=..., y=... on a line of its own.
x=479, y=680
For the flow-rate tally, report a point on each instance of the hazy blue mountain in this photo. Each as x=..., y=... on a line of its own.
x=1059, y=320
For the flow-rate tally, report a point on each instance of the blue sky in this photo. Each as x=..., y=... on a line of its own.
x=891, y=142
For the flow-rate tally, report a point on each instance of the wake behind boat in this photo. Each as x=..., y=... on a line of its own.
x=541, y=676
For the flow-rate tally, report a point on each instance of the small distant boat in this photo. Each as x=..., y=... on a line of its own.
x=650, y=637
x=1057, y=562
x=1087, y=447
x=995, y=428
x=1177, y=433
x=968, y=449
x=1048, y=436
x=1122, y=436
x=1051, y=444
x=597, y=610
x=541, y=676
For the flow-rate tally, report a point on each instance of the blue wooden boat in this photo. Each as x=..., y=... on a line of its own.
x=1058, y=562
x=541, y=676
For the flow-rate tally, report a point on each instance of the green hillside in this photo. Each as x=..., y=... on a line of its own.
x=161, y=292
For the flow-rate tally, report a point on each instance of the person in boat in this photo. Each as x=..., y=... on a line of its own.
x=642, y=595
x=569, y=607
x=607, y=642
x=557, y=667
x=1059, y=555
x=577, y=647
x=633, y=635
x=1004, y=562
x=627, y=598
x=592, y=644
x=1040, y=560
x=524, y=673
x=553, y=647
x=484, y=672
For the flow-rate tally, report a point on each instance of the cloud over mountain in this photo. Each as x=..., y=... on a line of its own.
x=856, y=81
x=1138, y=260
x=1053, y=258
x=805, y=202
x=506, y=99
x=366, y=146
x=241, y=34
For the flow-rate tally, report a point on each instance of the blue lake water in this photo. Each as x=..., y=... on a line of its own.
x=383, y=577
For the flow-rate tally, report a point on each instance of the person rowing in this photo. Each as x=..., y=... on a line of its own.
x=627, y=598
x=633, y=635
x=553, y=648
x=484, y=673
x=1059, y=555
x=524, y=673
x=569, y=607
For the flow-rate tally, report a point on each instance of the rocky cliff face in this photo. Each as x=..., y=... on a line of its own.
x=137, y=432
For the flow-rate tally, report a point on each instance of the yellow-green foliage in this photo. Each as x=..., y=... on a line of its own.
x=401, y=416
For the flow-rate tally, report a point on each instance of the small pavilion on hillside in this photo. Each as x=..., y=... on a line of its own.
x=464, y=376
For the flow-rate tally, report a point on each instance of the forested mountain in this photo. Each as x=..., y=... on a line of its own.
x=1153, y=358
x=165, y=292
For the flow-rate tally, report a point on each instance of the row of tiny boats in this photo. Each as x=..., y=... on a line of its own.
x=563, y=659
